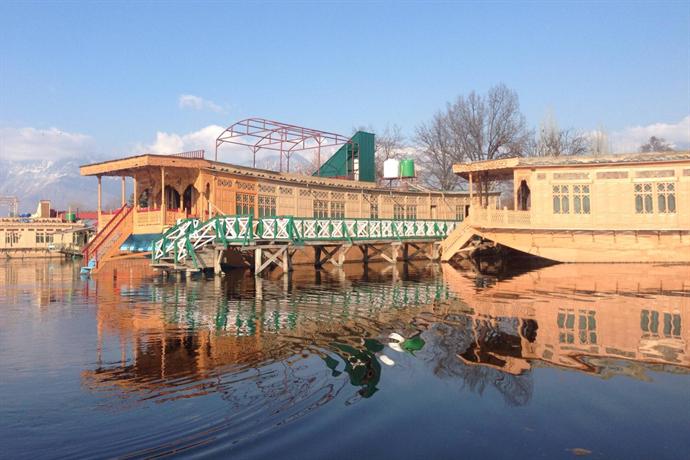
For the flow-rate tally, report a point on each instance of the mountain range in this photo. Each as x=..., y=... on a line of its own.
x=60, y=182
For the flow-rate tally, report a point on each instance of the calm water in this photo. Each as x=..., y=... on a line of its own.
x=423, y=362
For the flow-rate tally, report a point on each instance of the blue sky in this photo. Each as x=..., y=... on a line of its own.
x=114, y=72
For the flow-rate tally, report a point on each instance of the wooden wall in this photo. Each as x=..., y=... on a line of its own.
x=611, y=194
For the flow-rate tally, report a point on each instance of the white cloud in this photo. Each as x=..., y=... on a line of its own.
x=190, y=101
x=204, y=138
x=631, y=138
x=52, y=143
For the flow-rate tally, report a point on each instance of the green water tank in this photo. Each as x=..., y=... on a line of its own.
x=70, y=217
x=407, y=168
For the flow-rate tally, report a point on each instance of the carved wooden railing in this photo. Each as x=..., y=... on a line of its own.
x=500, y=218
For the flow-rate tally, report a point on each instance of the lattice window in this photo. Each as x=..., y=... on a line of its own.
x=267, y=188
x=337, y=209
x=352, y=196
x=285, y=190
x=245, y=185
x=337, y=195
x=561, y=199
x=398, y=212
x=320, y=209
x=644, y=201
x=581, y=200
x=666, y=197
x=12, y=237
x=321, y=195
x=373, y=210
x=460, y=212
x=244, y=204
x=267, y=205
x=303, y=192
x=411, y=212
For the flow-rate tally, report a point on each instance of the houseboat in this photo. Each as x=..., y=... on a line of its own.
x=621, y=208
x=185, y=201
x=41, y=234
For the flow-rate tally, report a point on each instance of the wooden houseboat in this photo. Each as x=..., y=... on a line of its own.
x=339, y=204
x=622, y=208
x=41, y=234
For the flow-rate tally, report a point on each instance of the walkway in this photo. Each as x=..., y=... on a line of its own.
x=273, y=240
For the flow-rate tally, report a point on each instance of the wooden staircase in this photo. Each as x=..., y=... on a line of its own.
x=106, y=243
x=459, y=238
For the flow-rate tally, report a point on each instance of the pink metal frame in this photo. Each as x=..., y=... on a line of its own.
x=261, y=134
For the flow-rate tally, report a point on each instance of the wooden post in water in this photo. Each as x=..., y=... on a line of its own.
x=258, y=259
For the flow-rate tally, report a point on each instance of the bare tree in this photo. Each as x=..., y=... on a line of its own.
x=600, y=142
x=477, y=128
x=437, y=153
x=389, y=144
x=656, y=144
x=552, y=141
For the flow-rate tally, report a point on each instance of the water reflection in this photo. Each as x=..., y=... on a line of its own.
x=187, y=338
x=277, y=350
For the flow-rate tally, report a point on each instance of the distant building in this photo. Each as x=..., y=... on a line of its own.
x=40, y=235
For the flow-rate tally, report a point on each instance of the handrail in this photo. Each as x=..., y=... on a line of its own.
x=97, y=235
x=182, y=240
x=106, y=232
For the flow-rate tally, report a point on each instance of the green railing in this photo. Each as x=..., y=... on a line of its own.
x=189, y=235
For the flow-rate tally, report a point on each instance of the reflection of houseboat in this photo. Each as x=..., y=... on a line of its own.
x=625, y=208
x=637, y=321
x=40, y=235
x=579, y=317
x=172, y=187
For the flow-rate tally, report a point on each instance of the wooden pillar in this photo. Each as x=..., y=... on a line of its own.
x=99, y=201
x=471, y=192
x=123, y=199
x=317, y=256
x=287, y=261
x=406, y=252
x=258, y=260
x=341, y=256
x=395, y=247
x=162, y=195
x=135, y=202
x=217, y=259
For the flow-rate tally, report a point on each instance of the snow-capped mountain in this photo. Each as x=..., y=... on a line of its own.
x=59, y=181
x=55, y=180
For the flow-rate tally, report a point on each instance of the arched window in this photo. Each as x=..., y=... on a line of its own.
x=188, y=199
x=172, y=198
x=524, y=198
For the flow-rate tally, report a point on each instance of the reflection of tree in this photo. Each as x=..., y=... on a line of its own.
x=459, y=335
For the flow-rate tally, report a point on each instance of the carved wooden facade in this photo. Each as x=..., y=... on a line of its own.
x=167, y=188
